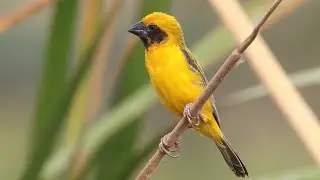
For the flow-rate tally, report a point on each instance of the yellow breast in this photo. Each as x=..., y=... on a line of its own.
x=172, y=78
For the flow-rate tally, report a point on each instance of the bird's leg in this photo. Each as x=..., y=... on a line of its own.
x=164, y=147
x=190, y=118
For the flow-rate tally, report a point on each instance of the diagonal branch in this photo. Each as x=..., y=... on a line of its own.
x=231, y=61
x=272, y=75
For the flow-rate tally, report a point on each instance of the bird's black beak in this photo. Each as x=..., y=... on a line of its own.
x=139, y=29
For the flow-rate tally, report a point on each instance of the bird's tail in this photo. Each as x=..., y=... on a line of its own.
x=231, y=157
x=212, y=130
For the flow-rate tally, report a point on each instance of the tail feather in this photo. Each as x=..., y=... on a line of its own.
x=231, y=158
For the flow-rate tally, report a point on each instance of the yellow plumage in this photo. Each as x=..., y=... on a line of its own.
x=176, y=84
x=178, y=79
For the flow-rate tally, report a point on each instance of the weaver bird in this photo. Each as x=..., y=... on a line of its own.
x=179, y=80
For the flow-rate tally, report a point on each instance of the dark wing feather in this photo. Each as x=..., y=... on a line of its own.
x=194, y=66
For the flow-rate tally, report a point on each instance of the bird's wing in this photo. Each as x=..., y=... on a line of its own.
x=194, y=66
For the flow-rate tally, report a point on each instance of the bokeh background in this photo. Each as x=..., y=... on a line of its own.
x=252, y=122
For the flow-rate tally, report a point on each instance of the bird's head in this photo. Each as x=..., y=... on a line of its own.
x=158, y=28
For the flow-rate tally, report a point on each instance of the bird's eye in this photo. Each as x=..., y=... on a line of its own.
x=152, y=27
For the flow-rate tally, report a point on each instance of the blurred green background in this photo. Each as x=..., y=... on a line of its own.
x=256, y=128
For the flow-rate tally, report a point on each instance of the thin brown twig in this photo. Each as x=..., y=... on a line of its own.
x=291, y=104
x=17, y=16
x=178, y=130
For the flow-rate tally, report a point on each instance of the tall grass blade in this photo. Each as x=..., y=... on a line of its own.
x=54, y=76
x=119, y=148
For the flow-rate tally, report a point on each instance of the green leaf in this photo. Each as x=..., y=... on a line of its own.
x=119, y=148
x=140, y=155
x=54, y=75
x=86, y=61
x=104, y=129
x=59, y=109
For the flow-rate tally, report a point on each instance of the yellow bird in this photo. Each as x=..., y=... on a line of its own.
x=179, y=80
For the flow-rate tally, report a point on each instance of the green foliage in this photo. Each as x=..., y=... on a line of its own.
x=140, y=155
x=50, y=117
x=56, y=63
x=119, y=149
x=104, y=129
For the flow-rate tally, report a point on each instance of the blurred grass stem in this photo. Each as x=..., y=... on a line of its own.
x=306, y=78
x=89, y=97
x=52, y=98
x=13, y=18
x=271, y=74
x=78, y=119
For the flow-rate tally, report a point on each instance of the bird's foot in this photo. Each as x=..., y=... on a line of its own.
x=164, y=147
x=194, y=122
